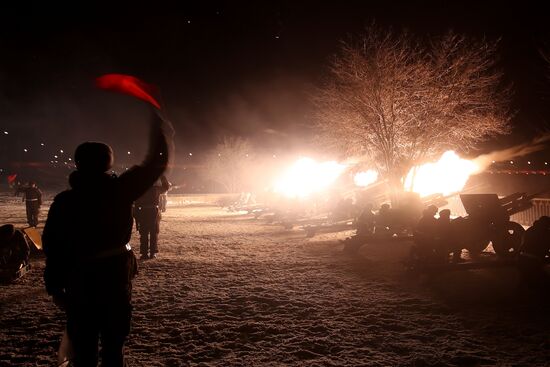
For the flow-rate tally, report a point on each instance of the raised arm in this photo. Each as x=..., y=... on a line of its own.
x=138, y=179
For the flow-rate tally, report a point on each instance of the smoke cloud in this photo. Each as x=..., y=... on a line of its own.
x=485, y=160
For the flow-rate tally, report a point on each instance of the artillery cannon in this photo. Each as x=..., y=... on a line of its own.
x=488, y=221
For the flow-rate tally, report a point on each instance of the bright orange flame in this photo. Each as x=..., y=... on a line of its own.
x=307, y=176
x=446, y=176
x=364, y=179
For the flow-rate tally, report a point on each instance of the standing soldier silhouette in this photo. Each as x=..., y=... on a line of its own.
x=32, y=196
x=147, y=212
x=534, y=252
x=89, y=262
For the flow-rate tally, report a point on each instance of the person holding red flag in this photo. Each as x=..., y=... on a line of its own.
x=89, y=262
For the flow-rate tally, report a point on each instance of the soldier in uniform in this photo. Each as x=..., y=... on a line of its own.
x=147, y=212
x=425, y=234
x=533, y=255
x=18, y=188
x=383, y=221
x=445, y=238
x=163, y=202
x=89, y=262
x=32, y=196
x=365, y=221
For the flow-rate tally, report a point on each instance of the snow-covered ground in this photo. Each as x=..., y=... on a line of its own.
x=229, y=290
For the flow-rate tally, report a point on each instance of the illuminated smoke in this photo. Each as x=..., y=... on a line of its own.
x=446, y=176
x=364, y=179
x=450, y=173
x=485, y=160
x=307, y=176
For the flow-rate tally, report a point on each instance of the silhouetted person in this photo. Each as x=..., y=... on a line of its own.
x=163, y=202
x=147, y=213
x=365, y=221
x=446, y=242
x=532, y=256
x=383, y=220
x=425, y=234
x=89, y=263
x=14, y=249
x=18, y=188
x=32, y=196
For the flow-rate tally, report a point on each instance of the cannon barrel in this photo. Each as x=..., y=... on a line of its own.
x=510, y=198
x=520, y=202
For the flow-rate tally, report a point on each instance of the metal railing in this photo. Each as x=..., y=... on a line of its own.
x=540, y=207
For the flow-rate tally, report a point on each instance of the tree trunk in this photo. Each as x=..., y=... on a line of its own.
x=395, y=184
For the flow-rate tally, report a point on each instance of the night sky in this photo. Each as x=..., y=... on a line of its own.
x=224, y=68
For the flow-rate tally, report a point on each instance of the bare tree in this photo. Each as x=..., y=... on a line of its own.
x=398, y=101
x=228, y=163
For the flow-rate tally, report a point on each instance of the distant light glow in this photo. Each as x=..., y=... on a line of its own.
x=25, y=150
x=55, y=156
x=42, y=144
x=60, y=150
x=129, y=153
x=528, y=162
x=511, y=162
x=364, y=179
x=190, y=154
x=446, y=176
x=307, y=176
x=6, y=133
x=70, y=159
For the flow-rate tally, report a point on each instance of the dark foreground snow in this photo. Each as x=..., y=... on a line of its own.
x=231, y=290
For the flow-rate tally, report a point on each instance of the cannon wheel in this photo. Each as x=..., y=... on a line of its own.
x=509, y=240
x=475, y=246
x=470, y=236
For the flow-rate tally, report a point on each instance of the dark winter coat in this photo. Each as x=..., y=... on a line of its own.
x=89, y=226
x=32, y=194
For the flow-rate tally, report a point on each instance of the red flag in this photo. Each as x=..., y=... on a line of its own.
x=11, y=178
x=127, y=84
